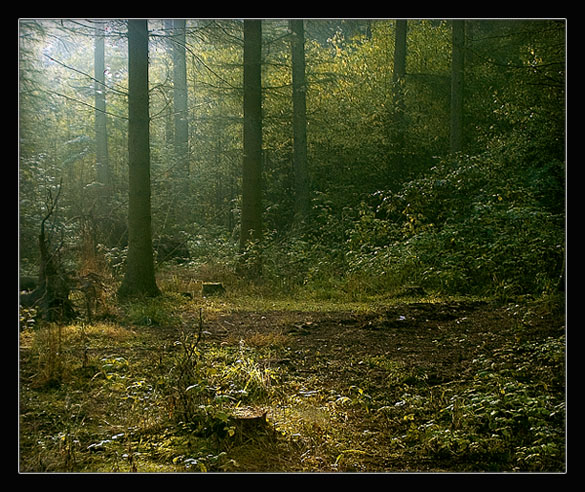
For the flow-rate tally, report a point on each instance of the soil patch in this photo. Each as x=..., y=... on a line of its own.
x=442, y=338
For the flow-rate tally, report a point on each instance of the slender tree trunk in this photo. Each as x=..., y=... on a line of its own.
x=396, y=167
x=457, y=67
x=101, y=137
x=299, y=120
x=180, y=100
x=103, y=194
x=252, y=168
x=169, y=119
x=139, y=278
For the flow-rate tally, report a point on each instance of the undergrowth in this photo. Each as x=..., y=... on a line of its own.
x=155, y=391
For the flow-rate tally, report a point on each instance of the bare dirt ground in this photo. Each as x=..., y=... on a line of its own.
x=439, y=339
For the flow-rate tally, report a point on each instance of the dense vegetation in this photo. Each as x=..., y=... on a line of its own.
x=392, y=209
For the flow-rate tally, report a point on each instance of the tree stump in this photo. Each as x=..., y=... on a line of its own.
x=212, y=289
x=249, y=424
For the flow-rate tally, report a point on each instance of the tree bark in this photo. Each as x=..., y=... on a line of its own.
x=251, y=228
x=103, y=193
x=299, y=119
x=169, y=118
x=139, y=278
x=180, y=100
x=101, y=137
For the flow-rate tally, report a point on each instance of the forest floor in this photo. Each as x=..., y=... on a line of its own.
x=403, y=385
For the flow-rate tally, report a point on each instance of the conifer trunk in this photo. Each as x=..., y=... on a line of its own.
x=299, y=119
x=251, y=226
x=139, y=278
x=101, y=137
x=180, y=101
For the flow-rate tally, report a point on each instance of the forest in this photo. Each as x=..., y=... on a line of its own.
x=292, y=245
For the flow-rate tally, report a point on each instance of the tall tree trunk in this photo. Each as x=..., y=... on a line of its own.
x=457, y=67
x=139, y=278
x=299, y=119
x=101, y=137
x=251, y=227
x=103, y=194
x=169, y=118
x=180, y=100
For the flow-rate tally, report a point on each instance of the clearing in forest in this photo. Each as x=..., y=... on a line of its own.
x=462, y=385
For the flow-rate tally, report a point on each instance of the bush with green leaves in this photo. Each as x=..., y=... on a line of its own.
x=512, y=410
x=470, y=225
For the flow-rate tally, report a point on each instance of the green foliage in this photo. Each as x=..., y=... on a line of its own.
x=472, y=225
x=503, y=416
x=489, y=224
